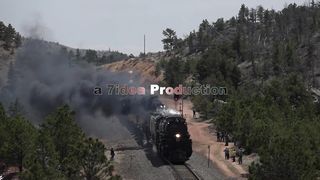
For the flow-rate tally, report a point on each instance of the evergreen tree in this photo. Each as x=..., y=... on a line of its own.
x=18, y=40
x=19, y=143
x=91, y=56
x=67, y=138
x=243, y=14
x=204, y=35
x=103, y=60
x=170, y=39
x=94, y=161
x=191, y=42
x=173, y=72
x=252, y=16
x=2, y=30
x=3, y=131
x=260, y=14
x=219, y=24
x=43, y=163
x=9, y=37
x=78, y=55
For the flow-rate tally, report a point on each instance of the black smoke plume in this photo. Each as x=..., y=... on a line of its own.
x=43, y=77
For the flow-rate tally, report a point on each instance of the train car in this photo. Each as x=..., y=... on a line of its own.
x=169, y=133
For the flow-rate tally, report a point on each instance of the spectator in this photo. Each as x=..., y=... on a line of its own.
x=240, y=154
x=226, y=138
x=112, y=154
x=222, y=136
x=233, y=154
x=218, y=136
x=226, y=153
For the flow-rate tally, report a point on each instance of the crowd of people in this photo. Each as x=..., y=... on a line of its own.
x=230, y=153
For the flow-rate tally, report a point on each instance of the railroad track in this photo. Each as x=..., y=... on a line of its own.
x=183, y=171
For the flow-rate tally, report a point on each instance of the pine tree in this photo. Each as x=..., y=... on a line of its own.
x=191, y=42
x=94, y=161
x=204, y=35
x=260, y=14
x=243, y=14
x=252, y=16
x=103, y=60
x=170, y=40
x=20, y=141
x=9, y=37
x=219, y=25
x=3, y=131
x=2, y=31
x=43, y=163
x=91, y=56
x=173, y=72
x=18, y=40
x=67, y=138
x=78, y=55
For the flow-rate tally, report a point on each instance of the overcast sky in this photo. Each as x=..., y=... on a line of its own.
x=119, y=24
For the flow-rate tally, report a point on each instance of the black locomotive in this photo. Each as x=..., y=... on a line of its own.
x=170, y=135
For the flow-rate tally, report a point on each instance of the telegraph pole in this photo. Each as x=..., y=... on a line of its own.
x=182, y=106
x=208, y=155
x=144, y=45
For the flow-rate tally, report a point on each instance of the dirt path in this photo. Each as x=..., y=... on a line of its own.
x=202, y=138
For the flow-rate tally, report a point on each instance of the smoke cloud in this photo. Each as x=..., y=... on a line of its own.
x=36, y=28
x=43, y=78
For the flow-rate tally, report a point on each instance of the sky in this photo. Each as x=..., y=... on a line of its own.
x=119, y=24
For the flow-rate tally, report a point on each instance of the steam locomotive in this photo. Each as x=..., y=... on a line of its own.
x=169, y=133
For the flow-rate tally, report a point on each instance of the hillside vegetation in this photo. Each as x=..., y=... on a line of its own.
x=9, y=38
x=96, y=57
x=56, y=148
x=269, y=61
x=76, y=55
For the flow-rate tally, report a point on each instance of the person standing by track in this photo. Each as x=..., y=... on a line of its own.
x=112, y=154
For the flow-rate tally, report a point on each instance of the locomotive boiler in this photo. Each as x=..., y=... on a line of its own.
x=170, y=135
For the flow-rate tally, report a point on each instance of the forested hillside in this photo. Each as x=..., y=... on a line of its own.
x=96, y=57
x=266, y=42
x=91, y=56
x=269, y=61
x=56, y=148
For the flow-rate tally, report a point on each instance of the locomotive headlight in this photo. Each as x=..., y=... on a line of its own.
x=178, y=135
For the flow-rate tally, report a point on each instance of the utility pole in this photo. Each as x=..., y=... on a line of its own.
x=181, y=106
x=208, y=156
x=144, y=45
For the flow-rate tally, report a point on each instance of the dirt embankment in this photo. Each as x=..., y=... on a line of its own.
x=141, y=68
